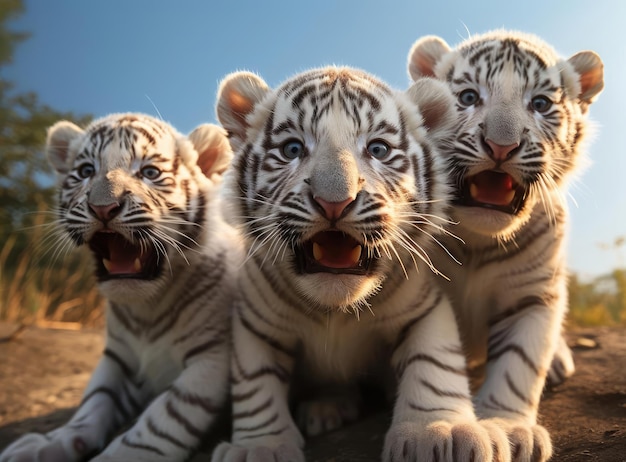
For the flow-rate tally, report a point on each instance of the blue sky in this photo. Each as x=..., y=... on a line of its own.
x=108, y=56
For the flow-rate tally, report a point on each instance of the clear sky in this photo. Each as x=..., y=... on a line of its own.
x=108, y=56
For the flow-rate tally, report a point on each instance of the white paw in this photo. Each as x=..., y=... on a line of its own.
x=440, y=441
x=35, y=447
x=322, y=416
x=228, y=452
x=562, y=366
x=529, y=443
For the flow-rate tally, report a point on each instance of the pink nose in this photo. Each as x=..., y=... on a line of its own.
x=105, y=212
x=333, y=210
x=499, y=152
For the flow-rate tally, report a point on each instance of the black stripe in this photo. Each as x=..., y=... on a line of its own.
x=513, y=348
x=128, y=372
x=404, y=332
x=203, y=348
x=252, y=412
x=205, y=404
x=279, y=372
x=432, y=409
x=264, y=424
x=166, y=436
x=126, y=415
x=440, y=392
x=427, y=358
x=493, y=403
x=183, y=421
x=259, y=435
x=516, y=391
x=237, y=397
x=264, y=337
x=522, y=305
x=145, y=447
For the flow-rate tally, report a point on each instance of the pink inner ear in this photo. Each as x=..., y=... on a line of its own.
x=206, y=160
x=240, y=105
x=589, y=80
x=425, y=65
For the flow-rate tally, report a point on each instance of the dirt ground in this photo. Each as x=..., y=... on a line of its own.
x=43, y=373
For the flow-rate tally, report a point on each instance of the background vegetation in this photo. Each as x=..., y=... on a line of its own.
x=40, y=281
x=37, y=280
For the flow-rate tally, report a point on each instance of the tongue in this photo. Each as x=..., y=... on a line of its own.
x=336, y=256
x=492, y=188
x=336, y=250
x=123, y=258
x=122, y=266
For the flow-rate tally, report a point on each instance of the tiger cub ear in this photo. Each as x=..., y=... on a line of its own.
x=436, y=104
x=60, y=136
x=213, y=148
x=425, y=53
x=590, y=70
x=237, y=97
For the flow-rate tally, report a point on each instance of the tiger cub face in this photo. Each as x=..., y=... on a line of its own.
x=334, y=180
x=522, y=122
x=135, y=192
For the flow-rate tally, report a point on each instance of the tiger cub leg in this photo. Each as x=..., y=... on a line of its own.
x=261, y=369
x=517, y=364
x=173, y=425
x=562, y=366
x=109, y=401
x=433, y=415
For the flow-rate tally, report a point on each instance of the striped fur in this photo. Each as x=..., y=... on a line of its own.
x=331, y=161
x=522, y=119
x=139, y=195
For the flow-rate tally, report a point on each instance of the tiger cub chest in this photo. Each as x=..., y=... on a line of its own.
x=157, y=364
x=343, y=348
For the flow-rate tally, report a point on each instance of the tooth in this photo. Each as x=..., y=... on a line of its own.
x=137, y=264
x=510, y=196
x=318, y=253
x=355, y=254
x=107, y=264
x=473, y=191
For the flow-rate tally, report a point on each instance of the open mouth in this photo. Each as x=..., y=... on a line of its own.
x=492, y=189
x=117, y=258
x=333, y=252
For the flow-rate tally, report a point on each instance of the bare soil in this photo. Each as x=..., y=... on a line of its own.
x=43, y=373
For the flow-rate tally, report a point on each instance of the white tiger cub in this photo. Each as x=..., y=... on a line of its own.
x=522, y=122
x=338, y=189
x=143, y=198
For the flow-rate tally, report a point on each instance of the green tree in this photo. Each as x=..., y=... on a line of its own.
x=29, y=281
x=26, y=181
x=602, y=300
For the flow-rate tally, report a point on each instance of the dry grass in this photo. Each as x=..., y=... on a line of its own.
x=38, y=286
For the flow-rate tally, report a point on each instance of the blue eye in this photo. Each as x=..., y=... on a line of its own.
x=468, y=97
x=293, y=149
x=150, y=172
x=86, y=171
x=378, y=149
x=540, y=103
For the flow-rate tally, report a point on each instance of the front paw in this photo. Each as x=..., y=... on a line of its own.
x=443, y=441
x=35, y=447
x=285, y=452
x=528, y=442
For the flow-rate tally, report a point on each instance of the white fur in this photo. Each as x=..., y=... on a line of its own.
x=168, y=337
x=510, y=293
x=339, y=327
